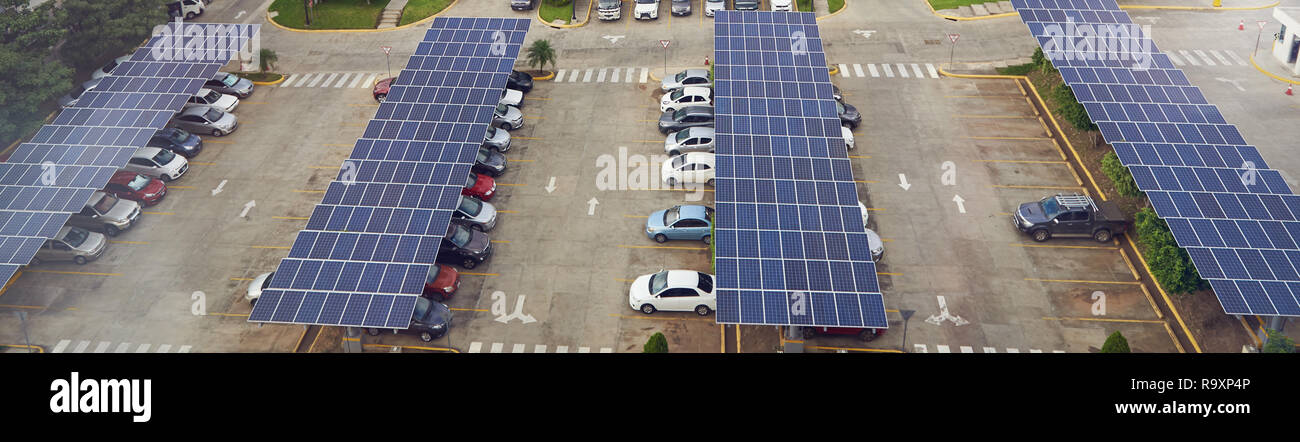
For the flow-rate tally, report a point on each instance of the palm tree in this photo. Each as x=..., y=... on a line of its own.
x=541, y=53
x=267, y=59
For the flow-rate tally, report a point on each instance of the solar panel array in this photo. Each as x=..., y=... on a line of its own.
x=791, y=247
x=48, y=178
x=366, y=250
x=1236, y=217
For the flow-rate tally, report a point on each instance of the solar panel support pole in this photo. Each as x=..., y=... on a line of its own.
x=794, y=340
x=907, y=314
x=27, y=339
x=352, y=340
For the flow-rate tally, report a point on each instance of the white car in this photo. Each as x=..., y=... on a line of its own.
x=687, y=96
x=209, y=97
x=694, y=167
x=689, y=77
x=714, y=5
x=780, y=5
x=691, y=139
x=511, y=97
x=205, y=119
x=108, y=68
x=156, y=162
x=848, y=136
x=673, y=291
x=646, y=10
x=256, y=286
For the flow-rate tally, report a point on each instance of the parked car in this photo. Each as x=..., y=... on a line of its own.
x=609, y=9
x=480, y=186
x=464, y=246
x=159, y=163
x=507, y=117
x=108, y=68
x=681, y=7
x=177, y=140
x=430, y=321
x=848, y=136
x=746, y=5
x=511, y=97
x=380, y=91
x=218, y=100
x=72, y=244
x=688, y=222
x=849, y=115
x=1070, y=215
x=489, y=162
x=673, y=291
x=689, y=77
x=686, y=96
x=693, y=167
x=107, y=213
x=836, y=94
x=522, y=5
x=497, y=139
x=476, y=213
x=70, y=98
x=691, y=139
x=863, y=334
x=186, y=8
x=441, y=282
x=519, y=81
x=256, y=286
x=689, y=116
x=228, y=83
x=877, y=246
x=143, y=189
x=780, y=5
x=711, y=6
x=205, y=119
x=646, y=10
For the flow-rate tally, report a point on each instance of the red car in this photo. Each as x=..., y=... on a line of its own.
x=480, y=186
x=441, y=283
x=137, y=187
x=381, y=88
x=864, y=334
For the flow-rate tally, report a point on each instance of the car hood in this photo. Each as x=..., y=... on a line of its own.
x=94, y=242
x=512, y=97
x=483, y=184
x=851, y=112
x=640, y=289
x=670, y=83
x=478, y=241
x=447, y=277
x=513, y=113
x=655, y=220
x=255, y=286
x=155, y=185
x=243, y=84
x=666, y=119
x=227, y=121
x=647, y=7
x=874, y=242
x=495, y=159
x=487, y=214
x=501, y=139
x=122, y=210
x=1032, y=212
x=226, y=101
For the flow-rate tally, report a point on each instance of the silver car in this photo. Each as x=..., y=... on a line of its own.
x=72, y=244
x=256, y=286
x=106, y=212
x=157, y=162
x=714, y=5
x=209, y=97
x=689, y=77
x=482, y=216
x=691, y=139
x=681, y=7
x=507, y=117
x=70, y=99
x=205, y=119
x=108, y=68
x=497, y=139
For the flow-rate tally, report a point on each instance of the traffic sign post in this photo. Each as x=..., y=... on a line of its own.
x=1261, y=24
x=665, y=44
x=388, y=63
x=952, y=38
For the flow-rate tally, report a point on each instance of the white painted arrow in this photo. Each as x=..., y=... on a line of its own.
x=591, y=206
x=219, y=188
x=551, y=186
x=1233, y=82
x=960, y=207
x=240, y=14
x=613, y=39
x=902, y=182
x=944, y=315
x=247, y=206
x=864, y=33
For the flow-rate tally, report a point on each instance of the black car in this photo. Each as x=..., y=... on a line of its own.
x=520, y=81
x=848, y=114
x=228, y=83
x=430, y=321
x=177, y=140
x=689, y=116
x=489, y=162
x=464, y=246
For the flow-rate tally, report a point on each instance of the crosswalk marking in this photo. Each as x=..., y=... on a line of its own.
x=844, y=70
x=1013, y=350
x=164, y=348
x=58, y=348
x=317, y=80
x=921, y=348
x=356, y=81
x=539, y=348
x=475, y=347
x=1035, y=351
x=102, y=347
x=601, y=78
x=143, y=348
x=1175, y=59
x=184, y=349
x=889, y=72
x=288, y=81
x=81, y=347
x=990, y=350
x=343, y=79
x=559, y=75
x=902, y=71
x=1205, y=58
x=874, y=72
x=518, y=348
x=1188, y=56
x=629, y=76
x=933, y=73
x=613, y=78
x=573, y=75
x=496, y=347
x=1234, y=57
x=304, y=80
x=942, y=349
x=1219, y=57
x=645, y=73
x=857, y=69
x=586, y=78
x=584, y=349
x=122, y=348
x=606, y=350
x=967, y=349
x=562, y=349
x=916, y=69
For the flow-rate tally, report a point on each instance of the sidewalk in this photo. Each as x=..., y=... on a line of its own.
x=392, y=14
x=978, y=10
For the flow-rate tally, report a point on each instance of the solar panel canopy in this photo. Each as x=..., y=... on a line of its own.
x=363, y=257
x=1236, y=217
x=52, y=176
x=791, y=247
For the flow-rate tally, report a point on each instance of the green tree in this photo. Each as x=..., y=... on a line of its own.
x=101, y=28
x=1119, y=175
x=266, y=59
x=1278, y=343
x=1070, y=109
x=1115, y=343
x=28, y=75
x=539, y=54
x=657, y=344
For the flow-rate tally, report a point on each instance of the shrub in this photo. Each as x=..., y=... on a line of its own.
x=1119, y=175
x=1070, y=109
x=657, y=344
x=1169, y=264
x=559, y=2
x=1278, y=343
x=1115, y=343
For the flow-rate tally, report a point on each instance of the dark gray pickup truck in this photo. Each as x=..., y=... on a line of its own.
x=1069, y=215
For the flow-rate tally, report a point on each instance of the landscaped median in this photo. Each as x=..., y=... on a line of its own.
x=551, y=10
x=835, y=5
x=349, y=14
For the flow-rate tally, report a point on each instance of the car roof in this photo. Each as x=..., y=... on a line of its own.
x=203, y=91
x=692, y=211
x=63, y=232
x=683, y=278
x=699, y=157
x=146, y=152
x=697, y=72
x=697, y=90
x=700, y=131
x=698, y=109
x=196, y=110
x=123, y=176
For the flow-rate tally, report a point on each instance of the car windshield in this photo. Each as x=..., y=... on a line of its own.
x=680, y=76
x=459, y=235
x=706, y=282
x=433, y=274
x=658, y=282
x=608, y=3
x=482, y=156
x=138, y=182
x=472, y=180
x=266, y=282
x=681, y=113
x=683, y=135
x=1050, y=207
x=229, y=80
x=212, y=96
x=212, y=115
x=76, y=237
x=839, y=107
x=645, y=2
x=164, y=156
x=671, y=215
x=77, y=92
x=110, y=66
x=501, y=110
x=179, y=136
x=678, y=161
x=492, y=132
x=105, y=204
x=470, y=206
x=676, y=95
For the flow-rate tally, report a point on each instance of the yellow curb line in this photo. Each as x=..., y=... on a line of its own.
x=1202, y=8
x=842, y=8
x=270, y=83
x=59, y=272
x=873, y=350
x=585, y=20
x=1169, y=303
x=1138, y=321
x=1084, y=281
x=416, y=347
x=835, y=70
x=1246, y=326
x=395, y=28
x=1275, y=77
x=545, y=77
x=38, y=348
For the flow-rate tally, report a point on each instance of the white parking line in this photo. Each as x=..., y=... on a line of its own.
x=518, y=348
x=888, y=71
x=122, y=348
x=143, y=348
x=584, y=349
x=1035, y=351
x=1013, y=350
x=496, y=347
x=1205, y=58
x=586, y=78
x=902, y=71
x=559, y=76
x=315, y=81
x=475, y=347
x=645, y=74
x=370, y=81
x=289, y=81
x=164, y=348
x=184, y=349
x=573, y=75
x=58, y=348
x=606, y=350
x=857, y=69
x=1175, y=59
x=933, y=73
x=343, y=79
x=628, y=79
x=601, y=78
x=874, y=72
x=967, y=349
x=1234, y=57
x=613, y=78
x=1219, y=57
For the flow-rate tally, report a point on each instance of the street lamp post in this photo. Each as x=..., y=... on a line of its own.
x=907, y=314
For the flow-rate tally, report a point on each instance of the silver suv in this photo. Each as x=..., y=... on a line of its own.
x=72, y=244
x=507, y=117
x=108, y=213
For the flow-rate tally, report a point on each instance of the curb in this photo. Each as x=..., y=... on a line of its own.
x=835, y=70
x=586, y=19
x=1275, y=76
x=1122, y=7
x=846, y=6
x=270, y=83
x=545, y=78
x=395, y=28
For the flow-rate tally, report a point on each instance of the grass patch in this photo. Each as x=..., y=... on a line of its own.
x=334, y=14
x=835, y=5
x=417, y=10
x=260, y=76
x=949, y=4
x=804, y=5
x=550, y=13
x=1020, y=69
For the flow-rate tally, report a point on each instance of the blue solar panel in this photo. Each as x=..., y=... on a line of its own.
x=791, y=249
x=370, y=243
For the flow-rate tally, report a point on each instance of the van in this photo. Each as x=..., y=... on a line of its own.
x=106, y=212
x=186, y=8
x=72, y=244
